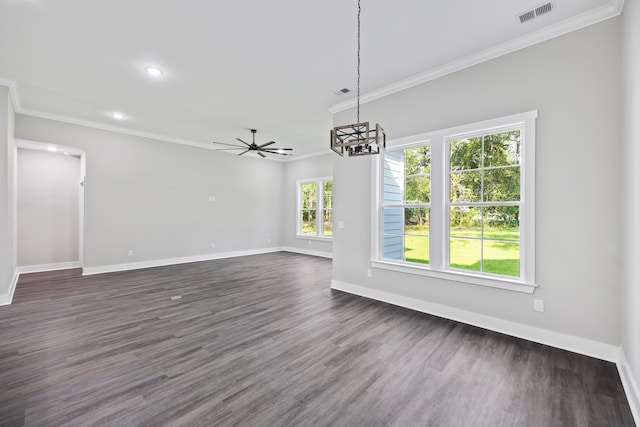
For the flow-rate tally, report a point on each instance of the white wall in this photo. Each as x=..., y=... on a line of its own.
x=6, y=272
x=48, y=208
x=308, y=168
x=630, y=319
x=574, y=82
x=153, y=196
x=7, y=195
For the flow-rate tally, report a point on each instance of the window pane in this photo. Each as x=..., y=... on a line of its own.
x=418, y=190
x=393, y=221
x=309, y=222
x=502, y=149
x=393, y=177
x=464, y=254
x=393, y=247
x=418, y=161
x=502, y=185
x=502, y=222
x=465, y=222
x=501, y=258
x=308, y=195
x=327, y=225
x=328, y=195
x=466, y=154
x=466, y=186
x=417, y=249
x=416, y=221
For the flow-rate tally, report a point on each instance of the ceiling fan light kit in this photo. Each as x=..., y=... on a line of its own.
x=358, y=139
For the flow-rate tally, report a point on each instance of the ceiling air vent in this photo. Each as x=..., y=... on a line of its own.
x=535, y=12
x=527, y=16
x=342, y=91
x=541, y=10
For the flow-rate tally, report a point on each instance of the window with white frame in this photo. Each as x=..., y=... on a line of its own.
x=459, y=204
x=315, y=208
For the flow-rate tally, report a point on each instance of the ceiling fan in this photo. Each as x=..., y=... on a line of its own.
x=260, y=149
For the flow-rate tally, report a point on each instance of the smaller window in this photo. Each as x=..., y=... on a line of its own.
x=315, y=208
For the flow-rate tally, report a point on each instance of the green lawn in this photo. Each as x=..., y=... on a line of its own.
x=499, y=257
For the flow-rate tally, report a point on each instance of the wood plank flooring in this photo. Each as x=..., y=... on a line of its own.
x=263, y=341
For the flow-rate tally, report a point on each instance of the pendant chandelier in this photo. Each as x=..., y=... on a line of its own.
x=358, y=139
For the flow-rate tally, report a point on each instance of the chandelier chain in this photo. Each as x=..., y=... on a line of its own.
x=358, y=104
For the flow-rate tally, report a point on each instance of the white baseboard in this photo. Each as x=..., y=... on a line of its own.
x=630, y=385
x=308, y=252
x=6, y=299
x=48, y=267
x=543, y=336
x=87, y=271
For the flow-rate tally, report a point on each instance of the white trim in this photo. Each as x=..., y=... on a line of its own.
x=320, y=208
x=630, y=385
x=12, y=85
x=88, y=271
x=568, y=25
x=26, y=144
x=316, y=238
x=17, y=106
x=6, y=299
x=438, y=140
x=543, y=336
x=308, y=252
x=457, y=276
x=294, y=157
x=25, y=269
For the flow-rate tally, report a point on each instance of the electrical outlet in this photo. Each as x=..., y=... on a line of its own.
x=369, y=272
x=340, y=224
x=212, y=198
x=538, y=305
x=130, y=252
x=213, y=245
x=269, y=240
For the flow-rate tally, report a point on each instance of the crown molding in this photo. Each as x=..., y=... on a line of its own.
x=13, y=92
x=17, y=106
x=614, y=8
x=306, y=156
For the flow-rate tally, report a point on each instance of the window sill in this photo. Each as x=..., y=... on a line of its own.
x=318, y=238
x=456, y=276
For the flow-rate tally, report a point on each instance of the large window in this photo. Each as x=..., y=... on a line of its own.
x=315, y=208
x=407, y=197
x=459, y=203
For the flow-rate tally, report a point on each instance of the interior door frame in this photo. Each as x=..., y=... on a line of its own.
x=64, y=149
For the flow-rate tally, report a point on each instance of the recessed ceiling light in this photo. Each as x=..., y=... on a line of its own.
x=153, y=71
x=52, y=149
x=117, y=115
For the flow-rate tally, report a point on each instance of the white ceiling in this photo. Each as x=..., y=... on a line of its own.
x=233, y=65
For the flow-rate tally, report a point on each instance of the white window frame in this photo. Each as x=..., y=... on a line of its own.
x=320, y=208
x=439, y=213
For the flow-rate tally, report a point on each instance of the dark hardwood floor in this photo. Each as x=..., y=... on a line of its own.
x=264, y=341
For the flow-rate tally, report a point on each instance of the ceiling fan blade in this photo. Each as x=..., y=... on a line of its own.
x=224, y=143
x=247, y=144
x=225, y=149
x=278, y=149
x=268, y=143
x=243, y=152
x=261, y=155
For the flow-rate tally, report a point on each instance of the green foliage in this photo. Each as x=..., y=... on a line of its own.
x=485, y=169
x=309, y=195
x=499, y=255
